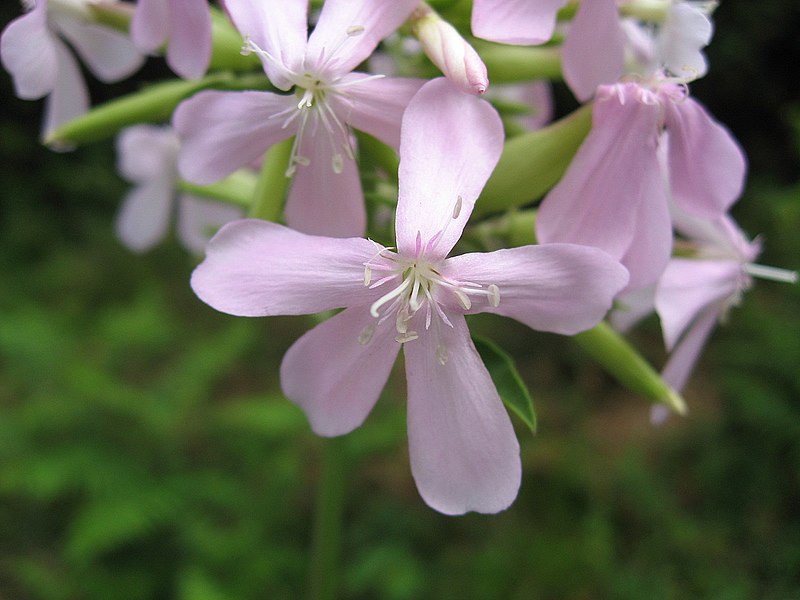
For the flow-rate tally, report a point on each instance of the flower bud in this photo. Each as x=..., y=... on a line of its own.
x=449, y=51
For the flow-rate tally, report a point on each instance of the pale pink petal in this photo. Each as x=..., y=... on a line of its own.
x=109, y=54
x=377, y=105
x=681, y=39
x=631, y=307
x=706, y=165
x=684, y=356
x=70, y=97
x=146, y=152
x=189, y=50
x=687, y=287
x=515, y=21
x=563, y=288
x=322, y=201
x=199, y=219
x=279, y=28
x=28, y=53
x=651, y=247
x=535, y=96
x=594, y=51
x=449, y=144
x=144, y=217
x=257, y=268
x=150, y=24
x=334, y=377
x=223, y=131
x=464, y=454
x=349, y=30
x=615, y=172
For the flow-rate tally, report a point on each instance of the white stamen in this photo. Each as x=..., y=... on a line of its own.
x=367, y=276
x=771, y=273
x=457, y=208
x=302, y=160
x=463, y=299
x=406, y=337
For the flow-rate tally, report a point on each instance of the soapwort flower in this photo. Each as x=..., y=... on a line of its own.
x=185, y=25
x=32, y=49
x=146, y=156
x=223, y=131
x=464, y=454
x=614, y=196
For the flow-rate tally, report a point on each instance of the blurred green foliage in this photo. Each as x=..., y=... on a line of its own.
x=146, y=451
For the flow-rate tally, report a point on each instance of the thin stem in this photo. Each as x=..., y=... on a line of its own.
x=325, y=549
x=270, y=192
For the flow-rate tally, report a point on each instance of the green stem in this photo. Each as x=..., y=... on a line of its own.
x=270, y=192
x=325, y=550
x=520, y=63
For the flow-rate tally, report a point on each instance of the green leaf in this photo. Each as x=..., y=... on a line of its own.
x=509, y=384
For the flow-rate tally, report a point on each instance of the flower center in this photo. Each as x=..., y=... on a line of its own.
x=420, y=285
x=320, y=101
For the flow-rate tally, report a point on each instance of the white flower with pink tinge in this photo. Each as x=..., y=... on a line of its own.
x=464, y=454
x=33, y=51
x=222, y=131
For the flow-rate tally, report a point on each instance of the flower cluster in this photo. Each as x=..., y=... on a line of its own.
x=300, y=112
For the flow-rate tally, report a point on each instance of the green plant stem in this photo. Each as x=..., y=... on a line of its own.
x=270, y=192
x=325, y=550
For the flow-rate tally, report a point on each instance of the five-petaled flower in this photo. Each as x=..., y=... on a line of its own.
x=223, y=131
x=464, y=454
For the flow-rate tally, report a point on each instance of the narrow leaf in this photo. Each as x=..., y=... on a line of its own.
x=505, y=376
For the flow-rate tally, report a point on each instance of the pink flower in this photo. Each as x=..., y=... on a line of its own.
x=614, y=195
x=184, y=24
x=223, y=131
x=464, y=454
x=146, y=157
x=33, y=52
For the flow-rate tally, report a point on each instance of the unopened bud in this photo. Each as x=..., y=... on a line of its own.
x=445, y=47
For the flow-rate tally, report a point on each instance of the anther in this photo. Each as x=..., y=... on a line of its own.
x=338, y=163
x=366, y=334
x=494, y=295
x=441, y=354
x=355, y=30
x=367, y=276
x=457, y=208
x=406, y=337
x=463, y=299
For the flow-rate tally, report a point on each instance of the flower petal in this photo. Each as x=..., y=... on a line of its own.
x=256, y=268
x=147, y=152
x=563, y=288
x=615, y=171
x=200, y=218
x=189, y=50
x=631, y=307
x=144, y=217
x=28, y=52
x=515, y=21
x=323, y=202
x=150, y=24
x=594, y=51
x=70, y=97
x=279, y=28
x=349, y=30
x=684, y=356
x=689, y=286
x=706, y=165
x=109, y=54
x=335, y=378
x=651, y=247
x=449, y=144
x=464, y=454
x=223, y=131
x=681, y=39
x=377, y=106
